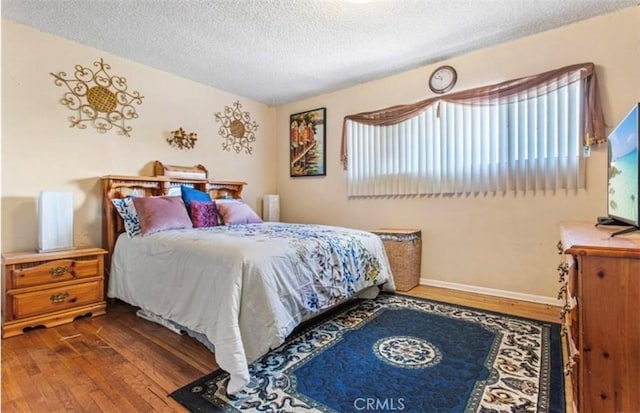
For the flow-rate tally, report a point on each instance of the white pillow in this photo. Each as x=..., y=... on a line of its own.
x=127, y=211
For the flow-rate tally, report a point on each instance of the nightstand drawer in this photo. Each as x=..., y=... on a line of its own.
x=55, y=299
x=30, y=274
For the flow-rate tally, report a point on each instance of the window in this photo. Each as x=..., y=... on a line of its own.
x=479, y=141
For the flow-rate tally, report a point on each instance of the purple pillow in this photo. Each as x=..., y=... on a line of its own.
x=161, y=213
x=237, y=213
x=189, y=195
x=204, y=214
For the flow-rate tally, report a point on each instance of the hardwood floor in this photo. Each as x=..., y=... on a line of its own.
x=121, y=363
x=527, y=309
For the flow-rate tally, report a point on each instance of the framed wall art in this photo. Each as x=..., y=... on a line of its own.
x=307, y=143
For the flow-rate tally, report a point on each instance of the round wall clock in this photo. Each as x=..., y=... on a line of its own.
x=443, y=79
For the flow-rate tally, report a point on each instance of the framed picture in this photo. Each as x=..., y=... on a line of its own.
x=307, y=143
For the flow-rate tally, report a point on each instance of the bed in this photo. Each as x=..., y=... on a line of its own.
x=244, y=287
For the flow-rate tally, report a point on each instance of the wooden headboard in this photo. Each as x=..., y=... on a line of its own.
x=120, y=186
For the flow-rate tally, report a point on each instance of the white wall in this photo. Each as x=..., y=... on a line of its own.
x=41, y=152
x=489, y=242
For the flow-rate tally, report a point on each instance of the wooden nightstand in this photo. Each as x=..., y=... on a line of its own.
x=53, y=288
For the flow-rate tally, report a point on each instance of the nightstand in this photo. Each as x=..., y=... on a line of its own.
x=52, y=288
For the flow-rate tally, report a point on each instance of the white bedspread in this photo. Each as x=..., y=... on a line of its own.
x=246, y=286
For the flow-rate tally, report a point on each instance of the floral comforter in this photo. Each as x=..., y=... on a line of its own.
x=246, y=287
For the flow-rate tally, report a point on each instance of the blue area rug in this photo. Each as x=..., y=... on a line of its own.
x=400, y=354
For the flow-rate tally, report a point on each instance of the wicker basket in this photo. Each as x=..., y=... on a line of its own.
x=404, y=250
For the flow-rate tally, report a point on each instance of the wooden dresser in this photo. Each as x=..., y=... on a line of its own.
x=600, y=285
x=48, y=289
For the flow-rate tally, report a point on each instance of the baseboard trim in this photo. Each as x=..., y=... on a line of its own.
x=491, y=291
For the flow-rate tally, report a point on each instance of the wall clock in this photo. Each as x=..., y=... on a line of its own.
x=443, y=79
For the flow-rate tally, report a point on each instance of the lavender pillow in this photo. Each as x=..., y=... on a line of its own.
x=203, y=214
x=237, y=213
x=161, y=213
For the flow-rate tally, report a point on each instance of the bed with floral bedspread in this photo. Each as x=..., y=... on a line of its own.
x=246, y=287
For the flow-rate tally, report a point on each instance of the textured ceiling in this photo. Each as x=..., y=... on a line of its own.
x=280, y=51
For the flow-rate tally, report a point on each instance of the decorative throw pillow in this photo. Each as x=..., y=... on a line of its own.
x=204, y=214
x=161, y=213
x=190, y=194
x=237, y=213
x=127, y=211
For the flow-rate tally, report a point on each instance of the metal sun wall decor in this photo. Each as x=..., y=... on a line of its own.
x=98, y=98
x=237, y=129
x=182, y=140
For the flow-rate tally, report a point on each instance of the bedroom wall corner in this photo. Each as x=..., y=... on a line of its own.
x=40, y=151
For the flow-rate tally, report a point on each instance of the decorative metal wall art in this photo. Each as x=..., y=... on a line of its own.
x=98, y=98
x=182, y=140
x=237, y=129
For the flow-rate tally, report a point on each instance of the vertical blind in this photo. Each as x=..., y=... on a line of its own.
x=531, y=140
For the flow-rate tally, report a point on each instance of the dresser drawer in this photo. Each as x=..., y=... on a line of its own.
x=57, y=298
x=31, y=274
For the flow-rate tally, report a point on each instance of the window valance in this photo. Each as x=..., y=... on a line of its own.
x=535, y=85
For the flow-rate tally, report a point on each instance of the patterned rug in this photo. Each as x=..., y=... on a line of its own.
x=397, y=353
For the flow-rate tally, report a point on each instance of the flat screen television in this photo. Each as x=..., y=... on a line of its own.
x=623, y=207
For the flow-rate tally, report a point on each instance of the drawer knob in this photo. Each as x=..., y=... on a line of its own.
x=58, y=298
x=58, y=271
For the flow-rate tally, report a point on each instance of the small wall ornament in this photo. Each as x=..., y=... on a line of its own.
x=237, y=129
x=98, y=98
x=182, y=140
